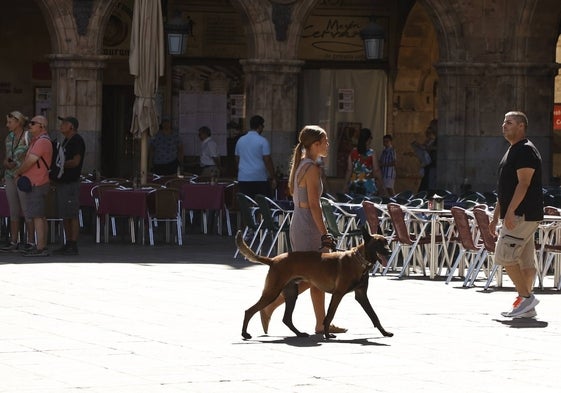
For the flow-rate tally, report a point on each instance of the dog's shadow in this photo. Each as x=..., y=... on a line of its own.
x=523, y=323
x=316, y=340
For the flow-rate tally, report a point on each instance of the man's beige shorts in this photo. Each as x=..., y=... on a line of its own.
x=517, y=246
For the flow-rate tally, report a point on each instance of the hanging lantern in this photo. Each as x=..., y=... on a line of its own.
x=373, y=37
x=177, y=31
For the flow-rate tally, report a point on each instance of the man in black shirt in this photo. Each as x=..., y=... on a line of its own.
x=520, y=206
x=66, y=175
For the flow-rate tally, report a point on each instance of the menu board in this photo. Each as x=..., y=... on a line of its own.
x=197, y=109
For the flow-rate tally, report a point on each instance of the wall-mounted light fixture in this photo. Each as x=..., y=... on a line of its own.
x=373, y=36
x=177, y=31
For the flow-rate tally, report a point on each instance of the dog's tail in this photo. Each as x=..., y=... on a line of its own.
x=248, y=252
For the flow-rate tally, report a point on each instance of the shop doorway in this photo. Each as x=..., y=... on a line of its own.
x=340, y=101
x=119, y=151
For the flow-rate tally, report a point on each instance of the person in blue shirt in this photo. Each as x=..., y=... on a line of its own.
x=256, y=173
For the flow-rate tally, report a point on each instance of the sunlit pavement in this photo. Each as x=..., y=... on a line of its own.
x=131, y=318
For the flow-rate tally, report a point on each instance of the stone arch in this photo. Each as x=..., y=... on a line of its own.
x=74, y=26
x=413, y=91
x=262, y=36
x=450, y=36
x=260, y=29
x=536, y=16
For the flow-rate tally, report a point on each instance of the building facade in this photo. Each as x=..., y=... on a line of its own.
x=296, y=62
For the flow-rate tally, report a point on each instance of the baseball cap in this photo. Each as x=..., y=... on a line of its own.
x=71, y=120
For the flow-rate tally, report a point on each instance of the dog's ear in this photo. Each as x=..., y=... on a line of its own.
x=366, y=234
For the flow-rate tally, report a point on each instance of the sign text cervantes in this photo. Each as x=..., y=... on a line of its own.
x=331, y=37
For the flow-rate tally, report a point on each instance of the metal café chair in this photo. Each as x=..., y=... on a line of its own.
x=165, y=206
x=372, y=214
x=549, y=247
x=96, y=193
x=489, y=241
x=341, y=224
x=470, y=250
x=251, y=221
x=276, y=223
x=411, y=234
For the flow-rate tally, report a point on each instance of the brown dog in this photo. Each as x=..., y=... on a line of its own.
x=337, y=273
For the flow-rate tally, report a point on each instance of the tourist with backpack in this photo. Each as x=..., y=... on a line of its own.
x=33, y=179
x=66, y=169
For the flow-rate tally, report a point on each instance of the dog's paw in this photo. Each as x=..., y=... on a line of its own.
x=302, y=334
x=246, y=335
x=387, y=334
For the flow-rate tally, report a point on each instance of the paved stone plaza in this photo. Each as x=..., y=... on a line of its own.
x=132, y=319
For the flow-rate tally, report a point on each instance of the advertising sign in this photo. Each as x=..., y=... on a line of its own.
x=557, y=117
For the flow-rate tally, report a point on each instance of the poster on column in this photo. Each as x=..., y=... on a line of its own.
x=346, y=98
x=557, y=117
x=42, y=100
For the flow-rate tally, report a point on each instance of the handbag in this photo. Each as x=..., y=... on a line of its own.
x=24, y=184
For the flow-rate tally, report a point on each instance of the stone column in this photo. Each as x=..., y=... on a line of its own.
x=77, y=91
x=473, y=98
x=271, y=87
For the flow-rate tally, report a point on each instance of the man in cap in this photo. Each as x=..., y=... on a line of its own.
x=65, y=174
x=36, y=168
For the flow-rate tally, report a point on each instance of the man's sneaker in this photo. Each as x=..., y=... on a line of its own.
x=517, y=301
x=67, y=249
x=26, y=247
x=10, y=247
x=523, y=306
x=36, y=253
x=61, y=250
x=528, y=314
x=71, y=250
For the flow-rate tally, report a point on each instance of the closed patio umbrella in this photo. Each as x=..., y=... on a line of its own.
x=146, y=63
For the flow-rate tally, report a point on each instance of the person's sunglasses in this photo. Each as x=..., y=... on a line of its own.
x=32, y=123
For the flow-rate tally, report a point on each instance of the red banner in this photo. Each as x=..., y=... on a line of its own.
x=557, y=117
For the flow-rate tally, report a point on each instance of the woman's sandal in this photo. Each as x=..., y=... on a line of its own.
x=333, y=329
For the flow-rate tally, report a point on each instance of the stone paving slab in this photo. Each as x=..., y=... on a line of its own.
x=129, y=318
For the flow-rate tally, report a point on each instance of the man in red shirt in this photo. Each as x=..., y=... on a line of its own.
x=36, y=168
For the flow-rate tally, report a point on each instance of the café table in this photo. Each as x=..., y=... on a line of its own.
x=86, y=199
x=125, y=202
x=205, y=196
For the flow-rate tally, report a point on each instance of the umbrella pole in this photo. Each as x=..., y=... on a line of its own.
x=144, y=157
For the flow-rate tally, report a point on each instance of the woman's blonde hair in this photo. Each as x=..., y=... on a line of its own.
x=307, y=137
